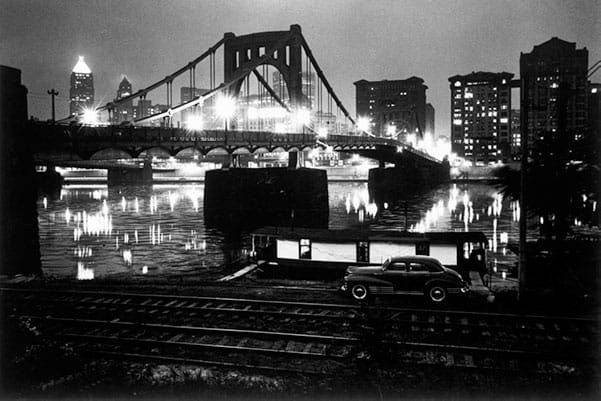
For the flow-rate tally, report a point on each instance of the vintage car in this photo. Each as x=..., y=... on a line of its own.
x=413, y=275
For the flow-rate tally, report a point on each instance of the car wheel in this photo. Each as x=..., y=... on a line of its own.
x=437, y=293
x=359, y=292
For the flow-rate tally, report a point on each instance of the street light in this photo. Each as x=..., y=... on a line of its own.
x=225, y=107
x=390, y=130
x=89, y=117
x=364, y=124
x=195, y=123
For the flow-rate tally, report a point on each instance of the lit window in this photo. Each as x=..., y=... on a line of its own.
x=305, y=248
x=457, y=121
x=458, y=83
x=469, y=95
x=504, y=120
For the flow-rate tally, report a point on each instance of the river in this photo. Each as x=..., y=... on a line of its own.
x=92, y=231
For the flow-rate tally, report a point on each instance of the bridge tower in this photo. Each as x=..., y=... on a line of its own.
x=242, y=53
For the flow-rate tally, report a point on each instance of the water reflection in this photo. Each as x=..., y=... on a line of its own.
x=474, y=207
x=91, y=231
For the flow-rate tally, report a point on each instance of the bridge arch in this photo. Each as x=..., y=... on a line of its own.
x=281, y=49
x=154, y=151
x=111, y=153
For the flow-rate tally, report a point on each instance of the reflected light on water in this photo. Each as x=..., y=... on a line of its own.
x=127, y=257
x=173, y=198
x=83, y=272
x=194, y=195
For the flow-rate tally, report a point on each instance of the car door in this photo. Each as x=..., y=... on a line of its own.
x=418, y=273
x=396, y=274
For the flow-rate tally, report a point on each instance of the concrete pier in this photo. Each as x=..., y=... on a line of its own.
x=249, y=198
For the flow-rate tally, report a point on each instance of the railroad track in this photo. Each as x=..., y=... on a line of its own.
x=294, y=336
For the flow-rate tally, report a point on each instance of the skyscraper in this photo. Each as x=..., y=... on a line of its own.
x=548, y=66
x=481, y=116
x=124, y=111
x=82, y=88
x=398, y=106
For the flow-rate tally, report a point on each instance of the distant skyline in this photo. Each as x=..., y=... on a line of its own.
x=146, y=40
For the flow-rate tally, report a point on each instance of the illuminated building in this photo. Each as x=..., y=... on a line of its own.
x=82, y=88
x=516, y=135
x=124, y=110
x=400, y=104
x=549, y=65
x=481, y=116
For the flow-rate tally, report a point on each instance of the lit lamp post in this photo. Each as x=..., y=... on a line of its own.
x=390, y=130
x=89, y=117
x=364, y=125
x=225, y=107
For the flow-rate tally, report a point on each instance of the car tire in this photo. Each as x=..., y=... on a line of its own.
x=436, y=293
x=359, y=292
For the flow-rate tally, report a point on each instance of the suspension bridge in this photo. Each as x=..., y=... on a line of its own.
x=273, y=96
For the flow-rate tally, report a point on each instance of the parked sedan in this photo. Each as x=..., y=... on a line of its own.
x=404, y=275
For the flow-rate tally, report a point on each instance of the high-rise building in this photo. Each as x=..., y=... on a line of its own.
x=394, y=107
x=429, y=125
x=549, y=67
x=124, y=110
x=82, y=88
x=594, y=109
x=481, y=116
x=516, y=135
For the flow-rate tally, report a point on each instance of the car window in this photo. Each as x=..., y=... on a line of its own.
x=397, y=266
x=418, y=267
x=435, y=268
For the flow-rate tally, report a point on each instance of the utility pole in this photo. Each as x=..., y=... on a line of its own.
x=52, y=94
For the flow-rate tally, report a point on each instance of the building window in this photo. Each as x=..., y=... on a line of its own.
x=362, y=251
x=305, y=248
x=422, y=248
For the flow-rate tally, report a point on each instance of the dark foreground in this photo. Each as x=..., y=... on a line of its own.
x=35, y=367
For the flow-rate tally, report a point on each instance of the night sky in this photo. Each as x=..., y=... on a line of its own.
x=356, y=39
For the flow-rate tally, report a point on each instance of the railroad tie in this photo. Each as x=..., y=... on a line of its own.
x=176, y=338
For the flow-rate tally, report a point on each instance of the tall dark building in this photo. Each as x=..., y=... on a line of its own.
x=429, y=125
x=594, y=109
x=516, y=135
x=548, y=66
x=124, y=111
x=481, y=110
x=82, y=88
x=398, y=105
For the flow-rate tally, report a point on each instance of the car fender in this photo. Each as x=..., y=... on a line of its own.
x=443, y=282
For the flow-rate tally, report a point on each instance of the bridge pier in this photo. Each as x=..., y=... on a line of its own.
x=405, y=179
x=253, y=197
